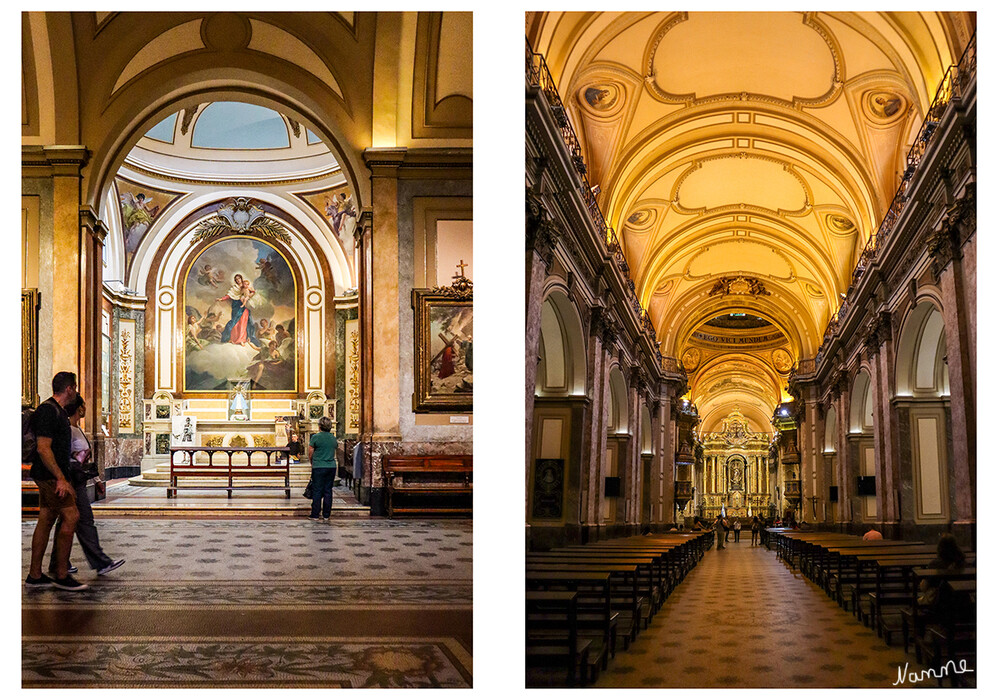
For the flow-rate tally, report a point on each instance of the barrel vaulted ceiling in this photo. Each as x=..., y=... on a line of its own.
x=743, y=160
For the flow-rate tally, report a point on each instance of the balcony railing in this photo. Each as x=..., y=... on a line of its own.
x=954, y=84
x=538, y=76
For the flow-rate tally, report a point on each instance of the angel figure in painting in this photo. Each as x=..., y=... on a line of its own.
x=193, y=331
x=137, y=217
x=209, y=276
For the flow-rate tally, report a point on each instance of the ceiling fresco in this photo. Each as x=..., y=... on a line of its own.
x=743, y=160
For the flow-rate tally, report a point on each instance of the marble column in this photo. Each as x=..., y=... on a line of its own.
x=633, y=458
x=593, y=451
x=844, y=459
x=658, y=485
x=542, y=236
x=952, y=245
x=881, y=356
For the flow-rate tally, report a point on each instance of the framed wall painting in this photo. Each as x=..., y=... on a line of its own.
x=443, y=356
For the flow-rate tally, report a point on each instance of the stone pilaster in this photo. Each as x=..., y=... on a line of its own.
x=92, y=235
x=633, y=457
x=593, y=461
x=881, y=354
x=542, y=236
x=383, y=274
x=841, y=406
x=658, y=485
x=952, y=245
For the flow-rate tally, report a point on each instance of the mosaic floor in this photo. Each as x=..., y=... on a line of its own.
x=742, y=619
x=281, y=602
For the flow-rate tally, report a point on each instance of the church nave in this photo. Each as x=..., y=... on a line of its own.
x=751, y=254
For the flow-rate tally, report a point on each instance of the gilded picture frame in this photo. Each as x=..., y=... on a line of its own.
x=29, y=347
x=443, y=348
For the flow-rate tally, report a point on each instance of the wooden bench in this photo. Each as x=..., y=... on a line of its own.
x=186, y=467
x=553, y=638
x=428, y=484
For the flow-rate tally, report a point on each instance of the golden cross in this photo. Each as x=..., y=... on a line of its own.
x=461, y=268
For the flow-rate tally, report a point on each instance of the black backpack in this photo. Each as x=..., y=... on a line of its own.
x=29, y=445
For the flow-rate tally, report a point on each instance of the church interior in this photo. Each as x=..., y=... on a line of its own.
x=236, y=227
x=751, y=303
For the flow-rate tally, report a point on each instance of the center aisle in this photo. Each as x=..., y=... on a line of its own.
x=741, y=618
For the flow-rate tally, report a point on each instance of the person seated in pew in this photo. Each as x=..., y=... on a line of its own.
x=949, y=558
x=873, y=534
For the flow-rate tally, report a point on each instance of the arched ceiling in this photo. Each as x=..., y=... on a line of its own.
x=744, y=158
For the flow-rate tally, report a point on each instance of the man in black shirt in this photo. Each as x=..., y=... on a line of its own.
x=56, y=495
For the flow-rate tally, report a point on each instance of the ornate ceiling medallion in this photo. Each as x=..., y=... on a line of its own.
x=840, y=225
x=813, y=291
x=642, y=219
x=664, y=288
x=884, y=107
x=782, y=361
x=691, y=359
x=602, y=99
x=738, y=285
x=240, y=217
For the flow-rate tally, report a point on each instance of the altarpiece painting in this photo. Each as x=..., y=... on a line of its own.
x=240, y=304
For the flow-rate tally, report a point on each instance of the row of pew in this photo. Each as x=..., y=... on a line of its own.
x=586, y=602
x=879, y=581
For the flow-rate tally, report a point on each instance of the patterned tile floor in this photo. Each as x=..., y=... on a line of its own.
x=743, y=619
x=282, y=602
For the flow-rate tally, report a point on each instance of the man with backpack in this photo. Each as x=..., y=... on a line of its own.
x=50, y=429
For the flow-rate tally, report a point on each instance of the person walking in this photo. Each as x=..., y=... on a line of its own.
x=737, y=528
x=86, y=530
x=322, y=454
x=755, y=531
x=720, y=531
x=56, y=497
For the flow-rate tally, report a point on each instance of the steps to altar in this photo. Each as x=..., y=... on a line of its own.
x=145, y=496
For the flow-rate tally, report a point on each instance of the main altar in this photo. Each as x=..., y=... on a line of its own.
x=240, y=419
x=735, y=472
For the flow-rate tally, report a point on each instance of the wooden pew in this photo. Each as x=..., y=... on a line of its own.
x=428, y=484
x=917, y=616
x=594, y=586
x=625, y=595
x=952, y=639
x=554, y=639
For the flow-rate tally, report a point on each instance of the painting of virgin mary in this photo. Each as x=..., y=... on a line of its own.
x=224, y=331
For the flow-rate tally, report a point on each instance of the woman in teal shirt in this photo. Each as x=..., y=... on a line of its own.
x=322, y=454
